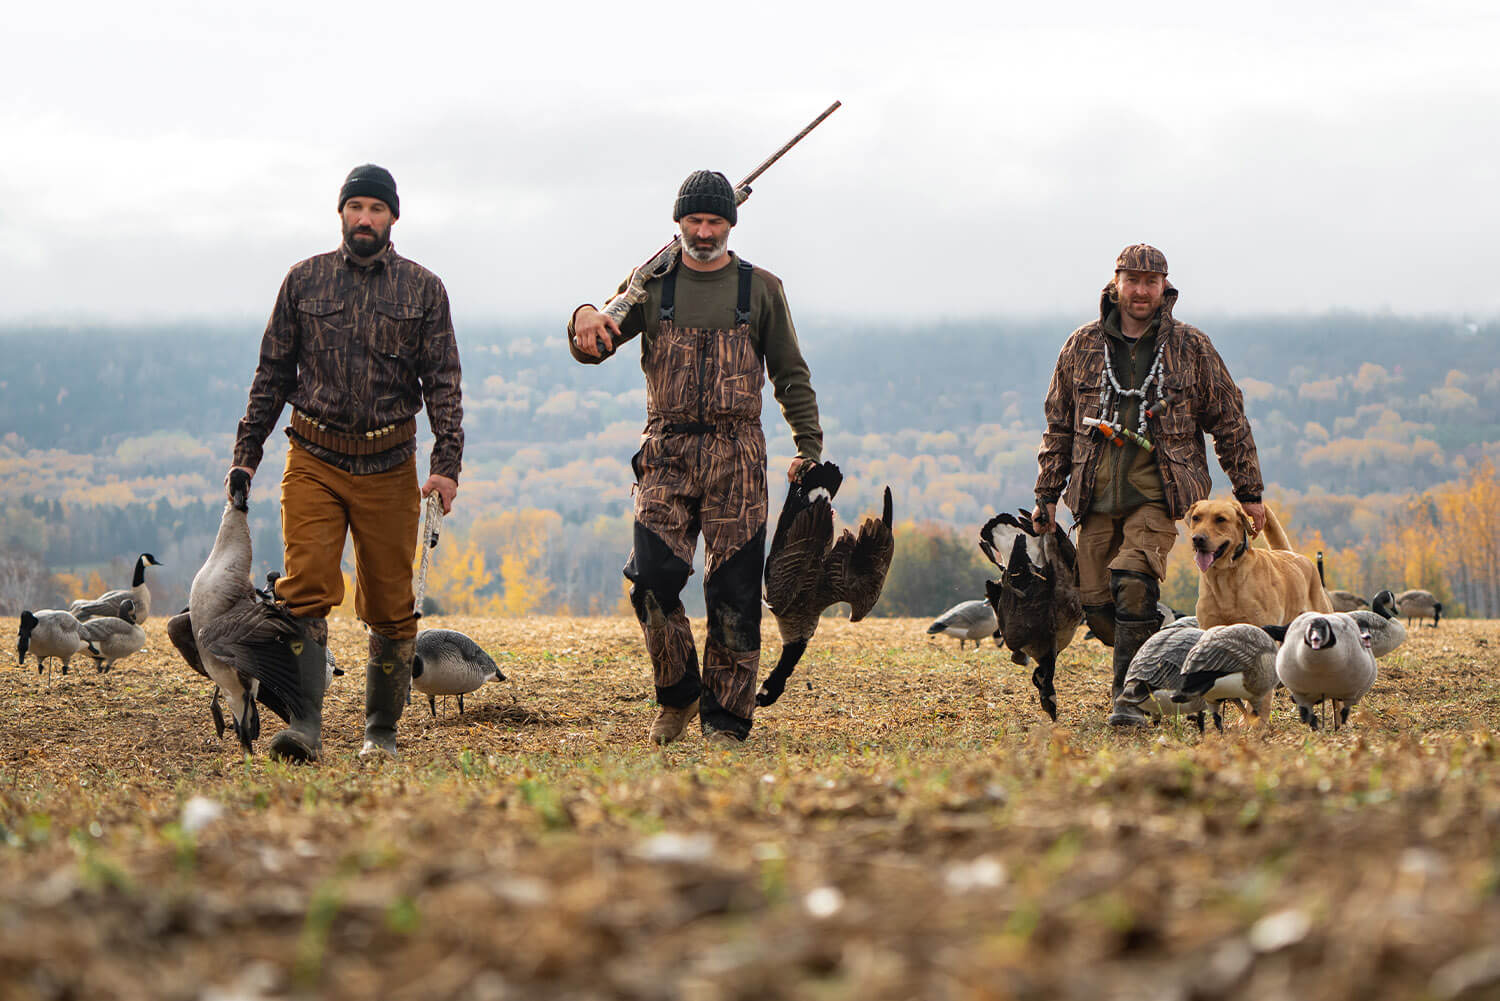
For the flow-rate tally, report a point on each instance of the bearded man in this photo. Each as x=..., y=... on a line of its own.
x=358, y=340
x=711, y=328
x=1130, y=400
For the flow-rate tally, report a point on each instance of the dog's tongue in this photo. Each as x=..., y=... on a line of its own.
x=1204, y=560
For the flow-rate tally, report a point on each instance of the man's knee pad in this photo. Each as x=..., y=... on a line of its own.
x=732, y=596
x=657, y=576
x=1135, y=594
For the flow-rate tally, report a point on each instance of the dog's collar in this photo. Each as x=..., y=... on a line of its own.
x=1240, y=551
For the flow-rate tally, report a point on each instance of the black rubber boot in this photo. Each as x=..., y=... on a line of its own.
x=302, y=740
x=1136, y=618
x=1101, y=619
x=1129, y=635
x=387, y=681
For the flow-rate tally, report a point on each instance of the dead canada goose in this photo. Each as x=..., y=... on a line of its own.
x=808, y=572
x=1418, y=604
x=1326, y=657
x=251, y=648
x=1232, y=662
x=114, y=638
x=50, y=633
x=1155, y=675
x=180, y=632
x=968, y=620
x=1380, y=623
x=108, y=603
x=1346, y=601
x=1036, y=599
x=449, y=663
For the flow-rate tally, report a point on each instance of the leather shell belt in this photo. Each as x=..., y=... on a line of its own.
x=353, y=442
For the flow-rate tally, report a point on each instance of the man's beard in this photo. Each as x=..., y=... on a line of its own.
x=704, y=255
x=364, y=241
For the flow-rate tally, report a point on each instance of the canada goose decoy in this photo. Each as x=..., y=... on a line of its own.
x=1418, y=604
x=968, y=620
x=1346, y=601
x=114, y=638
x=1036, y=599
x=50, y=633
x=109, y=602
x=251, y=648
x=1232, y=662
x=1155, y=675
x=449, y=663
x=1380, y=623
x=1326, y=657
x=808, y=572
x=180, y=632
x=1183, y=622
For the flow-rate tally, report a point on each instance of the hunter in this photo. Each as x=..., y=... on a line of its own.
x=711, y=328
x=1139, y=376
x=358, y=339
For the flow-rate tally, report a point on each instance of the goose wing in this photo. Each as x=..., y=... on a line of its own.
x=255, y=639
x=998, y=536
x=1223, y=651
x=856, y=567
x=105, y=606
x=796, y=556
x=180, y=632
x=1159, y=661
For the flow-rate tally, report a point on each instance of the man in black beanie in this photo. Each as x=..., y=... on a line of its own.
x=711, y=328
x=358, y=340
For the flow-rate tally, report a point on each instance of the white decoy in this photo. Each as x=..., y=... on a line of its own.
x=1155, y=675
x=967, y=620
x=1380, y=623
x=108, y=603
x=114, y=638
x=1235, y=661
x=50, y=633
x=1325, y=657
x=449, y=663
x=1418, y=604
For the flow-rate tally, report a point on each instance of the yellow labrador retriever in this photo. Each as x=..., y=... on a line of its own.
x=1236, y=583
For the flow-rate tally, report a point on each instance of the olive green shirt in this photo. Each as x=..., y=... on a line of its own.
x=707, y=299
x=1128, y=477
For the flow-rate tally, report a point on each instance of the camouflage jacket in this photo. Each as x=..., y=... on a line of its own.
x=357, y=348
x=1207, y=400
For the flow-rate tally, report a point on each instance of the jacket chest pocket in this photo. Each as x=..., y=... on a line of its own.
x=398, y=329
x=323, y=322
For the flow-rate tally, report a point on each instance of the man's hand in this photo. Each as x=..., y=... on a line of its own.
x=1044, y=519
x=446, y=489
x=1257, y=513
x=797, y=468
x=594, y=333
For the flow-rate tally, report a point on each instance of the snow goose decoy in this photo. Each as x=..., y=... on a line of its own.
x=108, y=604
x=808, y=572
x=1326, y=658
x=1036, y=599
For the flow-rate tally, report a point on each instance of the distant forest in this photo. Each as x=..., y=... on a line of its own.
x=115, y=441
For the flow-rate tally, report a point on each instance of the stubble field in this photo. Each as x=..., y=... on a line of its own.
x=911, y=827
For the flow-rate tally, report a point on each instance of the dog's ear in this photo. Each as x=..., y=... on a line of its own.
x=1246, y=522
x=1187, y=516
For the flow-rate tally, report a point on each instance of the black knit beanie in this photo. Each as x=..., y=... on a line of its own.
x=370, y=181
x=705, y=191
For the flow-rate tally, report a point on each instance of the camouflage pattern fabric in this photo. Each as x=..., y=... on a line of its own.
x=669, y=641
x=357, y=348
x=1141, y=257
x=1203, y=398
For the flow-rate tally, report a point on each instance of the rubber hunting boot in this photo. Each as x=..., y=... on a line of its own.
x=302, y=740
x=387, y=683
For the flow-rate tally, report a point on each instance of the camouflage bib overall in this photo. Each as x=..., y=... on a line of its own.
x=702, y=468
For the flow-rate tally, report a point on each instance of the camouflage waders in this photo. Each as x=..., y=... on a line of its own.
x=702, y=468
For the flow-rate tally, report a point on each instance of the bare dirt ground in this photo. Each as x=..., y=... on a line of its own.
x=911, y=827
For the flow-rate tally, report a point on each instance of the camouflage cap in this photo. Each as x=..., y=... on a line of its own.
x=1141, y=257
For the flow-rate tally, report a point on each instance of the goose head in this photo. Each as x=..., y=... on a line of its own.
x=1384, y=604
x=127, y=611
x=147, y=559
x=1319, y=635
x=239, y=489
x=23, y=638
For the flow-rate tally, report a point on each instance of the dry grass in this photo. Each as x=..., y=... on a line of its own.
x=909, y=828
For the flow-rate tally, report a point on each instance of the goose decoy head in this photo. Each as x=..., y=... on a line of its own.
x=151, y=561
x=1319, y=634
x=239, y=489
x=127, y=611
x=1384, y=604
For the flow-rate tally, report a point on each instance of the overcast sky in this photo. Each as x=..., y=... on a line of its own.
x=172, y=159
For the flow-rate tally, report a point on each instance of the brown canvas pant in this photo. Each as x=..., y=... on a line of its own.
x=1138, y=541
x=321, y=505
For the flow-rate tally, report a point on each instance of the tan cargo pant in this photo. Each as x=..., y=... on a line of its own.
x=321, y=505
x=1138, y=541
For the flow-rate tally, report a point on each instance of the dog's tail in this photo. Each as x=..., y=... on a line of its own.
x=1275, y=534
x=1321, y=578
